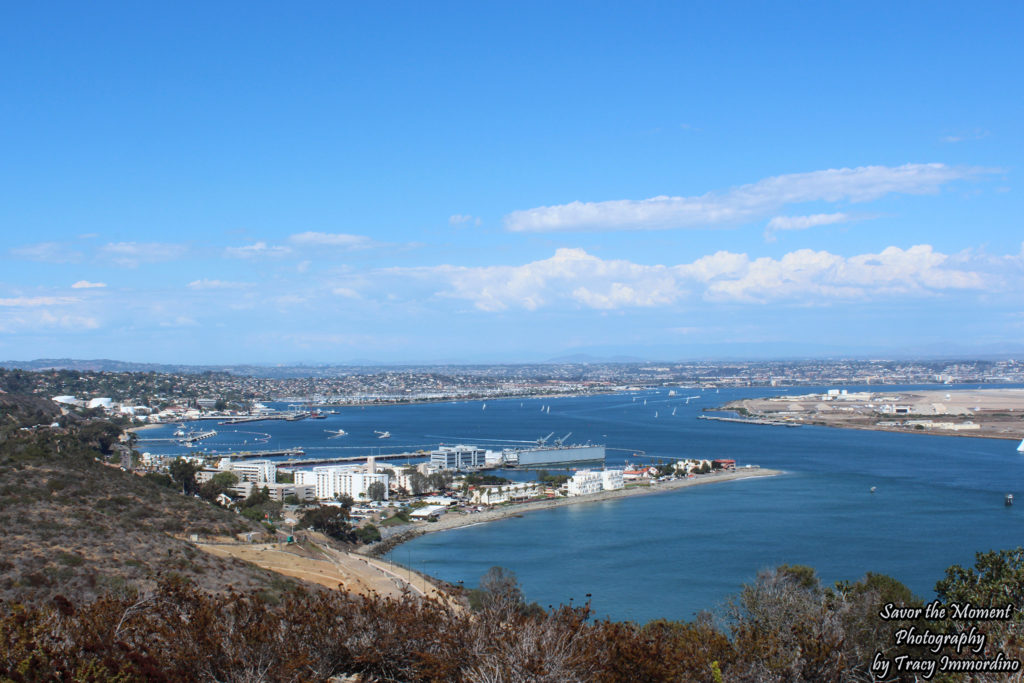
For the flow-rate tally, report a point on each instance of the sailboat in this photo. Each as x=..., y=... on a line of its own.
x=1020, y=446
x=655, y=413
x=548, y=411
x=673, y=412
x=484, y=407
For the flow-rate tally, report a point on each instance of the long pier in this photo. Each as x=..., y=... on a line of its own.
x=748, y=421
x=341, y=460
x=250, y=455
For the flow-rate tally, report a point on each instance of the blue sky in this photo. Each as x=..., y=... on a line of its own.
x=409, y=182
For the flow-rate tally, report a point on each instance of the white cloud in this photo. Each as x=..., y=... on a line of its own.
x=802, y=222
x=48, y=252
x=257, y=250
x=818, y=276
x=574, y=278
x=740, y=204
x=463, y=218
x=133, y=254
x=976, y=134
x=585, y=279
x=334, y=240
x=85, y=284
x=179, y=321
x=36, y=301
x=218, y=284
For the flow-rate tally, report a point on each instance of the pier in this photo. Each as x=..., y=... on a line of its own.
x=190, y=439
x=748, y=421
x=250, y=455
x=348, y=459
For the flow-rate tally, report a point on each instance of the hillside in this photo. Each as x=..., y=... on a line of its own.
x=75, y=526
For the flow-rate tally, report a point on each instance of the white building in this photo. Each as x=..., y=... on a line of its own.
x=493, y=495
x=585, y=482
x=458, y=457
x=256, y=471
x=340, y=480
x=611, y=480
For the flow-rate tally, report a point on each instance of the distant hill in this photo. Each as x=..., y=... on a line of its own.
x=77, y=527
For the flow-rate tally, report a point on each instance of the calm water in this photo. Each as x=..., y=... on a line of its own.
x=938, y=500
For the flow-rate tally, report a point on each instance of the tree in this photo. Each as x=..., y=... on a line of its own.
x=184, y=474
x=498, y=591
x=220, y=483
x=329, y=520
x=996, y=580
x=417, y=483
x=368, y=534
x=438, y=481
x=376, y=490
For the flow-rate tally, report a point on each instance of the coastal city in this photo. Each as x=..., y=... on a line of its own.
x=504, y=342
x=153, y=388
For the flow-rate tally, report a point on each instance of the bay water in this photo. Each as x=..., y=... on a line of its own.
x=937, y=499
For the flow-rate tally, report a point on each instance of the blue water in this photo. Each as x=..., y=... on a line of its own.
x=670, y=555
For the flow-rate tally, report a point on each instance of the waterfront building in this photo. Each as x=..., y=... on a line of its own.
x=504, y=493
x=585, y=482
x=458, y=457
x=330, y=482
x=611, y=480
x=256, y=471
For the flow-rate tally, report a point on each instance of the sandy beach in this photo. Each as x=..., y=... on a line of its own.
x=454, y=520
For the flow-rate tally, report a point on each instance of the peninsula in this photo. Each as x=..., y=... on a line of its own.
x=988, y=413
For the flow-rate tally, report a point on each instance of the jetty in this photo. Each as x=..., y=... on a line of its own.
x=748, y=421
x=195, y=437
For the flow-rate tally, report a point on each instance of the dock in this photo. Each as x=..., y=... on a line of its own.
x=349, y=459
x=193, y=438
x=250, y=455
x=748, y=421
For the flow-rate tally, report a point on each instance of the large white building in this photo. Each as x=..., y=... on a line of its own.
x=495, y=494
x=458, y=457
x=340, y=480
x=585, y=482
x=256, y=471
x=611, y=480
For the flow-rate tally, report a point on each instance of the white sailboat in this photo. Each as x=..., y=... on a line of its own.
x=1020, y=446
x=673, y=412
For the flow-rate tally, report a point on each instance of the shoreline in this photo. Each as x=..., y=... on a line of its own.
x=453, y=520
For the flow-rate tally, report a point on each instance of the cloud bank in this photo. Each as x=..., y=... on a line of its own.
x=740, y=204
x=574, y=277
